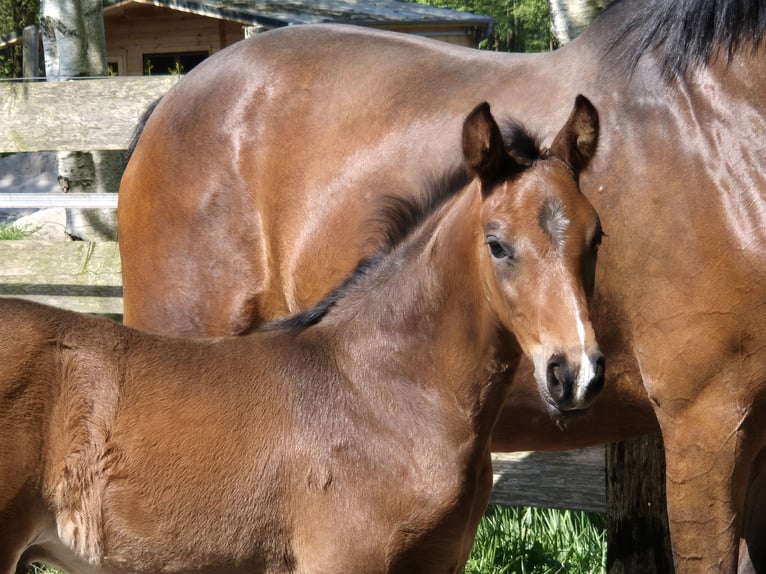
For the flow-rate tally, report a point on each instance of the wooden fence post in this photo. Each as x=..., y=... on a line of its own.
x=30, y=52
x=638, y=541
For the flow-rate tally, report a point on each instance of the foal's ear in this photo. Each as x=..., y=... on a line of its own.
x=483, y=147
x=576, y=142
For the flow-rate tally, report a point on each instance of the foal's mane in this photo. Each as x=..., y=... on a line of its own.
x=689, y=31
x=399, y=216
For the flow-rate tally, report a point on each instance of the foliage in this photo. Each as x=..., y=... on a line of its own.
x=520, y=25
x=513, y=540
x=14, y=16
x=12, y=232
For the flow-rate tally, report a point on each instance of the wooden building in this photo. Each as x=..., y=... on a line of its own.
x=165, y=36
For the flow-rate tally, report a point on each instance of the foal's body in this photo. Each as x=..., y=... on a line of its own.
x=354, y=438
x=206, y=470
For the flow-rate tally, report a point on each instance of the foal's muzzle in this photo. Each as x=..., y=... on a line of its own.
x=574, y=386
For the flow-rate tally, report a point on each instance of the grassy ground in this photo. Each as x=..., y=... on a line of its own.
x=539, y=541
x=529, y=541
x=11, y=232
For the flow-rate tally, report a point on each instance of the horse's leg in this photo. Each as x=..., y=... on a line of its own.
x=20, y=519
x=709, y=447
x=24, y=388
x=752, y=555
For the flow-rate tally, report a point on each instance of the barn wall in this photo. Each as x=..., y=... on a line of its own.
x=446, y=33
x=135, y=30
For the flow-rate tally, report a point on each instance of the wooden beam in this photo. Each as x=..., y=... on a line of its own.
x=68, y=200
x=30, y=54
x=75, y=115
x=569, y=479
x=77, y=275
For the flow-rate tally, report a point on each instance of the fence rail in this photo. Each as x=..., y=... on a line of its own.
x=91, y=114
x=75, y=115
x=69, y=200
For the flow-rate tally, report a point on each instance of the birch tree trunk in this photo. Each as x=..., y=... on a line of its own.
x=74, y=46
x=570, y=17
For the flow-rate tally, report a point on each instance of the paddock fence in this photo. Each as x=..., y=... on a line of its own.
x=101, y=114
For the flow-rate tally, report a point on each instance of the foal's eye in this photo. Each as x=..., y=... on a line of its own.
x=498, y=250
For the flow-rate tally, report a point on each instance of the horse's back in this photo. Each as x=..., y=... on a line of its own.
x=236, y=175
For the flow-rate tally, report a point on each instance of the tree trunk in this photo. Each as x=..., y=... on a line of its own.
x=638, y=541
x=74, y=46
x=570, y=17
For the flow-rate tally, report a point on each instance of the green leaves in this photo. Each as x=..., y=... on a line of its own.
x=14, y=16
x=514, y=540
x=520, y=25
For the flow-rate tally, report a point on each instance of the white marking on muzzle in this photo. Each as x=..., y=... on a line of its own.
x=586, y=372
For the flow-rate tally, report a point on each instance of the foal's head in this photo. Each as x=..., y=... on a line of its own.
x=541, y=238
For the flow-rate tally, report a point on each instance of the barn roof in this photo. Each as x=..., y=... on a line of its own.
x=278, y=13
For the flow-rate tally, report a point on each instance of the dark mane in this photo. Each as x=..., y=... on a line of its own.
x=521, y=143
x=690, y=31
x=140, y=128
x=394, y=221
x=399, y=216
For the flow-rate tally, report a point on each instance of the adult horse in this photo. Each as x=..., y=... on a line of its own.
x=246, y=197
x=352, y=438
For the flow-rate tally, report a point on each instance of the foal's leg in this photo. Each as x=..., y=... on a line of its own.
x=20, y=518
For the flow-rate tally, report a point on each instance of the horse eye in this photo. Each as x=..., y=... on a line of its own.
x=496, y=248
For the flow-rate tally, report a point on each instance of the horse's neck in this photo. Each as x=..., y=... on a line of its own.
x=423, y=318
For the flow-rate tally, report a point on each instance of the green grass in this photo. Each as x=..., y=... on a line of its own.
x=514, y=540
x=12, y=232
x=538, y=541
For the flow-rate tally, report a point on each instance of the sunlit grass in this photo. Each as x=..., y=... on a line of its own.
x=8, y=231
x=539, y=541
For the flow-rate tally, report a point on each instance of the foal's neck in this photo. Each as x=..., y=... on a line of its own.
x=425, y=309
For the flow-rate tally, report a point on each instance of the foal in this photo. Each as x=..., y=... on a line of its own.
x=353, y=438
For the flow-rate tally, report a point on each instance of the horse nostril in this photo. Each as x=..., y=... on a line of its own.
x=553, y=374
x=600, y=362
x=598, y=378
x=558, y=378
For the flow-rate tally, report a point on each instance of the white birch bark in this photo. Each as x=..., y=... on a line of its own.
x=570, y=17
x=74, y=46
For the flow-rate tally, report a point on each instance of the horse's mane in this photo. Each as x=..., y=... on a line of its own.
x=399, y=216
x=140, y=128
x=690, y=31
x=394, y=221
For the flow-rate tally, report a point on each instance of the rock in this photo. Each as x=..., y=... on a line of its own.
x=47, y=224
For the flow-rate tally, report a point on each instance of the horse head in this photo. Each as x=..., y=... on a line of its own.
x=539, y=271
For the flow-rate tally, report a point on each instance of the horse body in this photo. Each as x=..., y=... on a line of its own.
x=353, y=438
x=282, y=271
x=240, y=220
x=688, y=285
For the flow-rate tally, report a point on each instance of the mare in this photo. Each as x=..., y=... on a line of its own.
x=247, y=195
x=351, y=438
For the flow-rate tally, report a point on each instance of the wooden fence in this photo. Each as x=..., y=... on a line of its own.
x=100, y=114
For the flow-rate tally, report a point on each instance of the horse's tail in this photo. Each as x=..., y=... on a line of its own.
x=140, y=128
